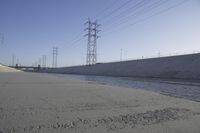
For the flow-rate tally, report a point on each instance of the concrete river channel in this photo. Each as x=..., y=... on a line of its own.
x=176, y=88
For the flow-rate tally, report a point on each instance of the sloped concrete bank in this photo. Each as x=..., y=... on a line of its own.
x=4, y=68
x=174, y=67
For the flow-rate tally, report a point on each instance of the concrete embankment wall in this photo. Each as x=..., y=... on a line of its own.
x=176, y=67
x=4, y=68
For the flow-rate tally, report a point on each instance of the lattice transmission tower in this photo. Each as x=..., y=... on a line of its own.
x=92, y=34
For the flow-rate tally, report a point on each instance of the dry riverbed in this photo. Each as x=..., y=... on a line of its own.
x=31, y=102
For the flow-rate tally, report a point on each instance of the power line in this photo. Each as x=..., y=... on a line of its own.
x=76, y=42
x=145, y=10
x=112, y=12
x=147, y=18
x=138, y=11
x=137, y=14
x=135, y=6
x=112, y=4
x=124, y=16
x=115, y=10
x=78, y=37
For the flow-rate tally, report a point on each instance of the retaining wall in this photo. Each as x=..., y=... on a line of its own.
x=176, y=67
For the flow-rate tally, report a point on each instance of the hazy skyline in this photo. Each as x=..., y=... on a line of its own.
x=32, y=28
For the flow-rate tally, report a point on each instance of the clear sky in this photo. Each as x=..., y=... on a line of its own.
x=32, y=28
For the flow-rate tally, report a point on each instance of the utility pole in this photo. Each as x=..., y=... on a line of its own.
x=55, y=54
x=92, y=34
x=17, y=62
x=13, y=60
x=121, y=54
x=159, y=54
x=39, y=61
x=44, y=61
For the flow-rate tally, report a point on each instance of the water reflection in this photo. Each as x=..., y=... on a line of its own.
x=188, y=90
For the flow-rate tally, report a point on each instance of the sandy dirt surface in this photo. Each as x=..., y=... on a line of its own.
x=43, y=103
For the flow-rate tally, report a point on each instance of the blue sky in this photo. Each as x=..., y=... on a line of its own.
x=32, y=28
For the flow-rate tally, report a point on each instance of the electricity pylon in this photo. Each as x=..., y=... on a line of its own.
x=92, y=34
